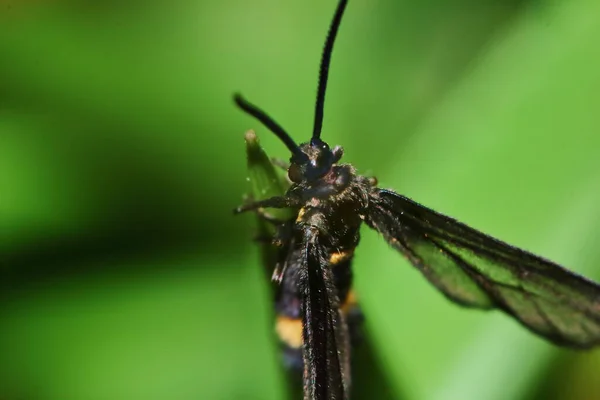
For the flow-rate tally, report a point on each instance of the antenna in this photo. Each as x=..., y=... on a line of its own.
x=324, y=69
x=269, y=123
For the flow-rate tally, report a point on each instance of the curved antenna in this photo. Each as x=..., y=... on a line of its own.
x=269, y=123
x=324, y=69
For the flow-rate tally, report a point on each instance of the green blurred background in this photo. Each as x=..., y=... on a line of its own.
x=123, y=274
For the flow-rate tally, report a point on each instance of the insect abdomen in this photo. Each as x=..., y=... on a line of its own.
x=288, y=323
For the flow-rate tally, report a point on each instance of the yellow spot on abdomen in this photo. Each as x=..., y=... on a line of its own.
x=289, y=331
x=350, y=303
x=338, y=257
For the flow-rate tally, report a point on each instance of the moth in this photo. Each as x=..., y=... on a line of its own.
x=330, y=201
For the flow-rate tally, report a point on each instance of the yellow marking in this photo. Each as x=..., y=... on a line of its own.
x=340, y=256
x=289, y=331
x=350, y=303
x=300, y=214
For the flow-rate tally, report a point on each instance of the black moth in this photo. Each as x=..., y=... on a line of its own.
x=314, y=302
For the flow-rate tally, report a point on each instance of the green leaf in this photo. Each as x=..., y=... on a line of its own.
x=265, y=182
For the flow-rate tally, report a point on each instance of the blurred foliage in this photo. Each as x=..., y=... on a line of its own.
x=124, y=274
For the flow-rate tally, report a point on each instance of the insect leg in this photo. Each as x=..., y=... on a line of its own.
x=272, y=202
x=266, y=216
x=263, y=239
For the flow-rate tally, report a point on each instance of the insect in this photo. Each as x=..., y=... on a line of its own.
x=331, y=201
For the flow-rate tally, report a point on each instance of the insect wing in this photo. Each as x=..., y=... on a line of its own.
x=477, y=270
x=325, y=347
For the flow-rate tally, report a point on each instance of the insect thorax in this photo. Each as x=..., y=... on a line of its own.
x=336, y=215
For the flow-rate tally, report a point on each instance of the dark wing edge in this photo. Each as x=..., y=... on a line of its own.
x=325, y=349
x=477, y=270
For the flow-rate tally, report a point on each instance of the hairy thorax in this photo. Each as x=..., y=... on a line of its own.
x=336, y=201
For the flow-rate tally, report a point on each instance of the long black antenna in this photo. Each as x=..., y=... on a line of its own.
x=324, y=70
x=269, y=123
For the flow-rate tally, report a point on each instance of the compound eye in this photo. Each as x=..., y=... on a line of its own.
x=295, y=173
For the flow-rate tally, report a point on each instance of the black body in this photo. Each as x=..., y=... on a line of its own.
x=473, y=269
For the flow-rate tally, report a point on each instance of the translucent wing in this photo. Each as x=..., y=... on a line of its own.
x=325, y=348
x=477, y=270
